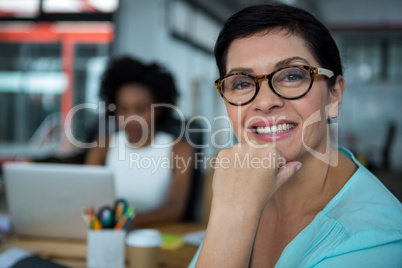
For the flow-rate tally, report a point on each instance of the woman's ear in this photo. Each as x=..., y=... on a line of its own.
x=336, y=94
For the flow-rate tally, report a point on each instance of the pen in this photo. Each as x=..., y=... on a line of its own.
x=95, y=224
x=121, y=223
x=84, y=215
x=128, y=221
x=125, y=219
x=119, y=209
x=90, y=213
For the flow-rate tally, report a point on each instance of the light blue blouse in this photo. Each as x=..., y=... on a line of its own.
x=360, y=227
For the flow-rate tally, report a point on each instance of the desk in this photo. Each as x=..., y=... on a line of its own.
x=73, y=253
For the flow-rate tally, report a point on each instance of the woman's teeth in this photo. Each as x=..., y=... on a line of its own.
x=274, y=129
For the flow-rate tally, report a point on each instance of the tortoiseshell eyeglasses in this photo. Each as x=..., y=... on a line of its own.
x=291, y=82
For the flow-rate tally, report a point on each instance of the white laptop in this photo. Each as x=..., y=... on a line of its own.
x=46, y=200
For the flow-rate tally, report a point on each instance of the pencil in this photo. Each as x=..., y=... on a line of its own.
x=120, y=224
x=96, y=225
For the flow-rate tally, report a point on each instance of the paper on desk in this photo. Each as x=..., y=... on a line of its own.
x=12, y=256
x=194, y=238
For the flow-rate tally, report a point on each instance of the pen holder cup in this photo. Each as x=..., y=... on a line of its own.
x=106, y=248
x=143, y=248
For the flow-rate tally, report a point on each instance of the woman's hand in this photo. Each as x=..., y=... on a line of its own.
x=248, y=175
x=245, y=179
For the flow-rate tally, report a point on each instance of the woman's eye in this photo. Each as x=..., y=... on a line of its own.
x=291, y=76
x=241, y=84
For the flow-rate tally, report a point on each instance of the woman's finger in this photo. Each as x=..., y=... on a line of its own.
x=286, y=172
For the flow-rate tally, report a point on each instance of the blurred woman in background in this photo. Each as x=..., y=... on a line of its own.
x=152, y=169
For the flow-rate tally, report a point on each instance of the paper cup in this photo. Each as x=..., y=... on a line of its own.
x=142, y=247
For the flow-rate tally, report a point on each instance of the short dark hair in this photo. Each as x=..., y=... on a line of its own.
x=265, y=18
x=125, y=70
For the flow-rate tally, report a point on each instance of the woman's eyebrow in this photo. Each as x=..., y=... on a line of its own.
x=288, y=61
x=240, y=70
x=282, y=63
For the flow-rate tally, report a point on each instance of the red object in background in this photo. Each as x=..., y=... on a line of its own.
x=68, y=34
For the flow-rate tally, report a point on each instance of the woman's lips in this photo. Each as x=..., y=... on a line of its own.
x=267, y=131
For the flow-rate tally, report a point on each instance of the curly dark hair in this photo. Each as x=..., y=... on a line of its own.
x=126, y=70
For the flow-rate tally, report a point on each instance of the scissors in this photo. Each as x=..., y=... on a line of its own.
x=109, y=216
x=105, y=216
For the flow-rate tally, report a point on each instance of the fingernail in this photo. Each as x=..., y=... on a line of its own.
x=298, y=166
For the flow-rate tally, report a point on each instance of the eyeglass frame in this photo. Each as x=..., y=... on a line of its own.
x=313, y=71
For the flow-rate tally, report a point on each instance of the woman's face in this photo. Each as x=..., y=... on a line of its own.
x=133, y=108
x=263, y=54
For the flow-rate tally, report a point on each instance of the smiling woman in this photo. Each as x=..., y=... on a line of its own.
x=281, y=78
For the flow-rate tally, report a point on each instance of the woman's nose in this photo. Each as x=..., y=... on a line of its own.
x=266, y=98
